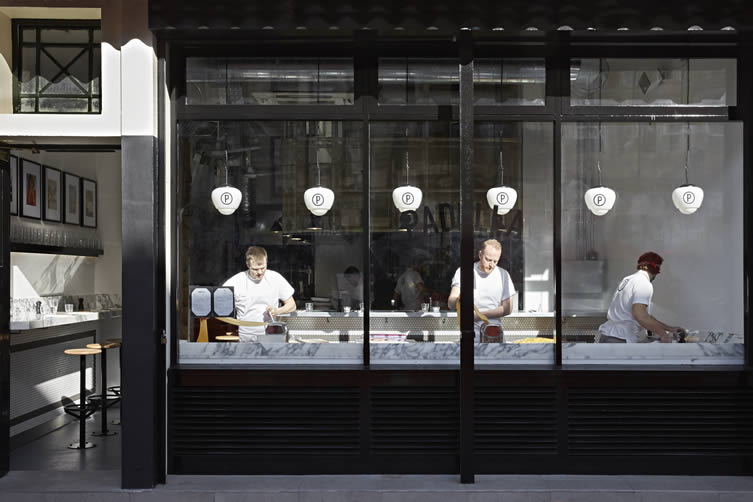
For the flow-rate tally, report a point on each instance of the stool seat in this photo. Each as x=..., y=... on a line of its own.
x=118, y=341
x=227, y=338
x=82, y=352
x=106, y=345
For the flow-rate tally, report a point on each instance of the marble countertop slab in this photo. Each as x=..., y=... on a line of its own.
x=399, y=313
x=654, y=353
x=62, y=318
x=269, y=353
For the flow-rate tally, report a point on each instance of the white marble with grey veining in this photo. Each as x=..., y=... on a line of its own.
x=513, y=353
x=414, y=353
x=269, y=353
x=654, y=353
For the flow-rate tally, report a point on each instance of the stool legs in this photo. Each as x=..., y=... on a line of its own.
x=82, y=443
x=104, y=404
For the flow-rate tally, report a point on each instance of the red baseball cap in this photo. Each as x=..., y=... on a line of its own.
x=652, y=261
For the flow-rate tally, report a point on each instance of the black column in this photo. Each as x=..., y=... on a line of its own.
x=745, y=106
x=4, y=313
x=141, y=330
x=465, y=46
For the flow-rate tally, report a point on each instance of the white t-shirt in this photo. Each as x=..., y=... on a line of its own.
x=407, y=288
x=253, y=297
x=635, y=288
x=489, y=290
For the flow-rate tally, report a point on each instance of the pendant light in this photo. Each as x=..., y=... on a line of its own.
x=600, y=199
x=318, y=199
x=687, y=198
x=226, y=198
x=502, y=196
x=407, y=197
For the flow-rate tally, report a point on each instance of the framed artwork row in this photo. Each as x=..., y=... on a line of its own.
x=45, y=193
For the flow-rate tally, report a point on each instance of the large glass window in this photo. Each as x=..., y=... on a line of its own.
x=58, y=68
x=415, y=241
x=313, y=258
x=653, y=82
x=695, y=229
x=513, y=172
x=269, y=81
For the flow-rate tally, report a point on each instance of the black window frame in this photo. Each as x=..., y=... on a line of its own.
x=557, y=47
x=19, y=25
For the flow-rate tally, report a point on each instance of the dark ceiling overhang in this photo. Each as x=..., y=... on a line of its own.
x=447, y=16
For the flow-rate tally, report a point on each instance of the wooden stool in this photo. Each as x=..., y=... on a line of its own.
x=115, y=389
x=104, y=400
x=84, y=409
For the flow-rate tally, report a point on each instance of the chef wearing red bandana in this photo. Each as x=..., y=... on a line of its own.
x=629, y=314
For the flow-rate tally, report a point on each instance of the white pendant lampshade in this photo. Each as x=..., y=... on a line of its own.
x=600, y=199
x=407, y=198
x=503, y=197
x=319, y=200
x=226, y=199
x=687, y=198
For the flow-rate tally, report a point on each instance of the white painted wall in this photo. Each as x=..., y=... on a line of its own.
x=700, y=286
x=46, y=274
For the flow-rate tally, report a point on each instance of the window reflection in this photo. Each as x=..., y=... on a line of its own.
x=653, y=82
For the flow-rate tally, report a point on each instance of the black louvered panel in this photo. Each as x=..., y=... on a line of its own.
x=708, y=421
x=283, y=420
x=515, y=420
x=415, y=420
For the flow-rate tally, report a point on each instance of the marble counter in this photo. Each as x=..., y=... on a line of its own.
x=62, y=318
x=654, y=353
x=270, y=353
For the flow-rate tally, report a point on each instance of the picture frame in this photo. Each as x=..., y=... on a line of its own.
x=88, y=203
x=53, y=194
x=72, y=199
x=13, y=184
x=29, y=189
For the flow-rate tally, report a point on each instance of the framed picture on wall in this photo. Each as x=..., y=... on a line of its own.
x=89, y=202
x=53, y=194
x=13, y=185
x=72, y=199
x=31, y=200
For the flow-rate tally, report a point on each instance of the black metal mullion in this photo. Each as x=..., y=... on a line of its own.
x=37, y=69
x=465, y=49
x=90, y=85
x=745, y=105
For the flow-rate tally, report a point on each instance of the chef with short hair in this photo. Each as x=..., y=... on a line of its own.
x=258, y=293
x=629, y=314
x=492, y=287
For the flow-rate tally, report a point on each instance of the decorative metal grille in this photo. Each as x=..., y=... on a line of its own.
x=57, y=66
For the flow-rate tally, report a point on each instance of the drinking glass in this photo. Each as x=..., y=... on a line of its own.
x=309, y=307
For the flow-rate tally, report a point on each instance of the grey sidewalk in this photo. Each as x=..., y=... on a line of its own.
x=46, y=486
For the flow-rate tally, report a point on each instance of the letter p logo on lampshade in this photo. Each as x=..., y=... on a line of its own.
x=407, y=198
x=226, y=199
x=319, y=200
x=600, y=200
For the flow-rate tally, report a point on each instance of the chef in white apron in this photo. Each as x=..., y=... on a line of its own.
x=629, y=314
x=258, y=292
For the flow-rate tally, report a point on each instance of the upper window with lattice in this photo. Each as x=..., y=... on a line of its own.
x=57, y=66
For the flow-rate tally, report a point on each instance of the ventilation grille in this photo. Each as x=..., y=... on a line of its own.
x=415, y=420
x=708, y=421
x=515, y=420
x=268, y=420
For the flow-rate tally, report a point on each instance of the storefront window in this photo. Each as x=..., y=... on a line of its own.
x=269, y=81
x=653, y=82
x=415, y=251
x=695, y=231
x=315, y=259
x=513, y=169
x=519, y=82
x=406, y=81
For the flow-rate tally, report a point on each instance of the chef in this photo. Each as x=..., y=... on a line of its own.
x=258, y=293
x=629, y=314
x=492, y=287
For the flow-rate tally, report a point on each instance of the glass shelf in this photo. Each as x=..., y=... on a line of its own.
x=21, y=247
